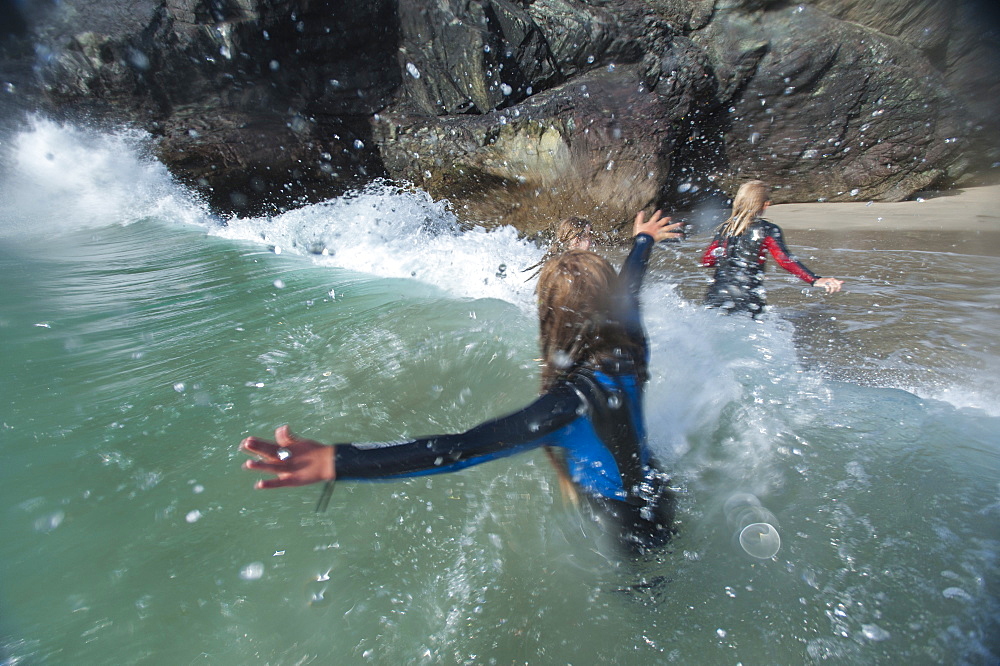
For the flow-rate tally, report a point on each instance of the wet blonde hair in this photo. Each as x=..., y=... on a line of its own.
x=579, y=297
x=748, y=204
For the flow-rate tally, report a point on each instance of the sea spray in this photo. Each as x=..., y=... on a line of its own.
x=61, y=177
x=397, y=232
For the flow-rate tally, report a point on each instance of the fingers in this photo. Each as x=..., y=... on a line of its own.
x=267, y=449
x=267, y=467
x=260, y=447
x=640, y=221
x=280, y=482
x=831, y=285
x=658, y=226
x=284, y=436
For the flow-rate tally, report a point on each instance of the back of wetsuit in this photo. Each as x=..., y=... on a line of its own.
x=594, y=414
x=738, y=281
x=739, y=267
x=627, y=493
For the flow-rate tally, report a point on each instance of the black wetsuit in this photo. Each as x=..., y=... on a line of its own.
x=595, y=414
x=739, y=267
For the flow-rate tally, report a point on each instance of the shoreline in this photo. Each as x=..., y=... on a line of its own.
x=972, y=209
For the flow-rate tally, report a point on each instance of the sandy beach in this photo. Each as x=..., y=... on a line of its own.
x=970, y=209
x=965, y=221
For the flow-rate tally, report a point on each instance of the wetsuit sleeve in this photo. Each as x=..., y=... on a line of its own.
x=493, y=439
x=708, y=258
x=775, y=244
x=632, y=272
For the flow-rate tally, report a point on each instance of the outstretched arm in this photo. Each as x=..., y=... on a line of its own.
x=775, y=244
x=298, y=462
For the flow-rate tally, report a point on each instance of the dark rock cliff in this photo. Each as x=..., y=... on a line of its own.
x=524, y=111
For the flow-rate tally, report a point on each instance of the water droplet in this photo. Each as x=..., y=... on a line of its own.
x=252, y=571
x=873, y=632
x=49, y=522
x=956, y=593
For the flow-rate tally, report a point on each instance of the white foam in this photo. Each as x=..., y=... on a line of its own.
x=60, y=177
x=962, y=397
x=396, y=232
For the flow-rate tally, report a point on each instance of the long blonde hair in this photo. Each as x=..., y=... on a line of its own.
x=579, y=298
x=748, y=204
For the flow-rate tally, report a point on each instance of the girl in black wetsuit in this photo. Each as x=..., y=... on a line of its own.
x=595, y=356
x=739, y=252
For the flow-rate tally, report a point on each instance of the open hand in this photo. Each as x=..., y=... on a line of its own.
x=295, y=461
x=830, y=284
x=658, y=226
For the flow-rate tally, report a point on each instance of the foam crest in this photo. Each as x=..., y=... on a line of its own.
x=397, y=232
x=60, y=177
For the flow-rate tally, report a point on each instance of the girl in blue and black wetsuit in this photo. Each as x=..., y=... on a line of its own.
x=595, y=357
x=739, y=252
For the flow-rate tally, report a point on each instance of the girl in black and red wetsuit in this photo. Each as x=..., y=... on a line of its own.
x=739, y=252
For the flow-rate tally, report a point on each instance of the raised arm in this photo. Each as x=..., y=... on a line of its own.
x=646, y=234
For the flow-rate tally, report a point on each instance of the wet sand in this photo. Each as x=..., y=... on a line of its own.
x=964, y=221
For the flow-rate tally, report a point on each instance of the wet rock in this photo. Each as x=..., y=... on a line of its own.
x=827, y=109
x=524, y=111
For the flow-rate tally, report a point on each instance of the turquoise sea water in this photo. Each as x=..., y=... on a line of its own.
x=143, y=339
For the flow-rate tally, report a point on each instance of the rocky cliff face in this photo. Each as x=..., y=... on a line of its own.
x=525, y=111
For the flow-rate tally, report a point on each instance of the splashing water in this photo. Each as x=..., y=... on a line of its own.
x=150, y=337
